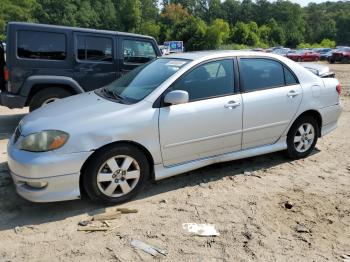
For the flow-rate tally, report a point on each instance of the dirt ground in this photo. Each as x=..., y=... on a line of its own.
x=244, y=199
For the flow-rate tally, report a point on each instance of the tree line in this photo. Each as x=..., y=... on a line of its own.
x=201, y=24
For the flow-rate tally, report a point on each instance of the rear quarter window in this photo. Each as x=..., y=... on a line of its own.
x=41, y=45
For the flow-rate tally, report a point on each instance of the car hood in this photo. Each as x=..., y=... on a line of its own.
x=68, y=114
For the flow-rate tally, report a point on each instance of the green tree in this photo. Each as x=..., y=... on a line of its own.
x=128, y=14
x=217, y=33
x=16, y=10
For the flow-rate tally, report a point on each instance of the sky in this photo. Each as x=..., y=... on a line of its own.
x=306, y=2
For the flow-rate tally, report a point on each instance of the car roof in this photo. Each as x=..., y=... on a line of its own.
x=80, y=29
x=203, y=55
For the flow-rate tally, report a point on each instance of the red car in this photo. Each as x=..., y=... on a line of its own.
x=304, y=56
x=340, y=55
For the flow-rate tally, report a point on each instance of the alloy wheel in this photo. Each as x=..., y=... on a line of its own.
x=304, y=137
x=118, y=176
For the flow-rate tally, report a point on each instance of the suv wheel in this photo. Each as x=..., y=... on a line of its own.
x=302, y=137
x=46, y=96
x=116, y=174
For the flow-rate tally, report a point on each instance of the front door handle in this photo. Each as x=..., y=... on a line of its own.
x=293, y=93
x=232, y=104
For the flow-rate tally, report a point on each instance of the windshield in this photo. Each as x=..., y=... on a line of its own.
x=143, y=80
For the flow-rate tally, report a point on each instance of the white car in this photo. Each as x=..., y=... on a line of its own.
x=169, y=116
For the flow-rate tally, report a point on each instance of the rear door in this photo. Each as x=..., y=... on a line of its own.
x=95, y=63
x=134, y=52
x=271, y=98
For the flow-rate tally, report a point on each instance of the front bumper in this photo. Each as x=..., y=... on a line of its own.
x=12, y=101
x=59, y=172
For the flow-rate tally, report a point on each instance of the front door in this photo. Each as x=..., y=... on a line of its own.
x=271, y=98
x=95, y=63
x=210, y=124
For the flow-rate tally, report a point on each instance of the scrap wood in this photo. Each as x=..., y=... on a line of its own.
x=106, y=216
x=147, y=248
x=93, y=228
x=125, y=210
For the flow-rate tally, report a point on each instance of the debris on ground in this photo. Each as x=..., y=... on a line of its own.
x=345, y=258
x=91, y=229
x=106, y=216
x=288, y=205
x=147, y=248
x=19, y=229
x=84, y=223
x=125, y=210
x=302, y=229
x=247, y=173
x=205, y=230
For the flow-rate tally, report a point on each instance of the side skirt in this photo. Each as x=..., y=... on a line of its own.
x=162, y=172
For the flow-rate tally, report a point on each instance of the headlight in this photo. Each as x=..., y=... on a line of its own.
x=44, y=141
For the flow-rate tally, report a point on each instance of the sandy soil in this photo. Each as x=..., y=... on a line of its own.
x=244, y=199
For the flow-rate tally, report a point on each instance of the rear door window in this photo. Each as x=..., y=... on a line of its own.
x=41, y=45
x=258, y=74
x=95, y=48
x=137, y=52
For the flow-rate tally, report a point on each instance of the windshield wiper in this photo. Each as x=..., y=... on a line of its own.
x=112, y=94
x=116, y=95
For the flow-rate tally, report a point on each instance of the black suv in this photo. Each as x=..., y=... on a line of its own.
x=45, y=62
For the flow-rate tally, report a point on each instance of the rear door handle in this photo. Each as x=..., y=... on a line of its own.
x=293, y=93
x=232, y=104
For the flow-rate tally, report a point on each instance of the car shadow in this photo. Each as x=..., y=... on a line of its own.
x=8, y=124
x=15, y=211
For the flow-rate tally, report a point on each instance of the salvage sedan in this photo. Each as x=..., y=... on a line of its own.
x=169, y=116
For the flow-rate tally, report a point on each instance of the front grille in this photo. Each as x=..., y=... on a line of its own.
x=17, y=134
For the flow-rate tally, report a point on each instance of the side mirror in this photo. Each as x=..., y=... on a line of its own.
x=176, y=97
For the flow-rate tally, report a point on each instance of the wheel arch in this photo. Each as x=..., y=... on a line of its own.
x=39, y=87
x=316, y=115
x=116, y=143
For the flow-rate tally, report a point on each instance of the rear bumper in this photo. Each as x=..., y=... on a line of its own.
x=12, y=101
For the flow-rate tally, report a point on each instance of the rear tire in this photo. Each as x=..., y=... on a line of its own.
x=47, y=96
x=302, y=137
x=116, y=174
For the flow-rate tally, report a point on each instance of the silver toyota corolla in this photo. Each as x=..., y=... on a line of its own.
x=169, y=116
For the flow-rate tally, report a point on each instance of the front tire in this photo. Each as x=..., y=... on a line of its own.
x=302, y=137
x=116, y=174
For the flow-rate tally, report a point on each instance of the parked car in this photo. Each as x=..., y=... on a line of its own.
x=340, y=55
x=326, y=56
x=172, y=115
x=304, y=56
x=46, y=63
x=282, y=51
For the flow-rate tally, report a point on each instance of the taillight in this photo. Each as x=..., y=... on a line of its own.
x=6, y=74
x=338, y=88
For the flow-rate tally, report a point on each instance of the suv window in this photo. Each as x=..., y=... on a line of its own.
x=94, y=48
x=41, y=45
x=258, y=73
x=208, y=80
x=138, y=52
